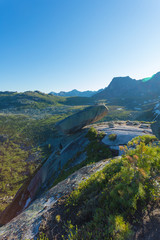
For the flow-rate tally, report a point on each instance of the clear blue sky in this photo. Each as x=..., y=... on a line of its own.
x=53, y=45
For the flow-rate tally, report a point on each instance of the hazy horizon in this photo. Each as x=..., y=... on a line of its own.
x=72, y=89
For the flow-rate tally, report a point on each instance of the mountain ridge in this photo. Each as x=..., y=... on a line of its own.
x=121, y=87
x=75, y=93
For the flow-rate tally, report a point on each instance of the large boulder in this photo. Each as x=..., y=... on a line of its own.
x=85, y=117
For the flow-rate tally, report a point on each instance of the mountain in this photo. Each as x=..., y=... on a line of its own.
x=43, y=161
x=75, y=93
x=126, y=87
x=121, y=87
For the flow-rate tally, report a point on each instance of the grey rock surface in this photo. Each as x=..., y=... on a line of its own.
x=156, y=129
x=78, y=120
x=72, y=146
x=124, y=132
x=26, y=225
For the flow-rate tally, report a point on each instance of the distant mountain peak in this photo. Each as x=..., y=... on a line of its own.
x=75, y=93
x=126, y=87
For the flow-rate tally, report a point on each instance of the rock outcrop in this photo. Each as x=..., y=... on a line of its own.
x=85, y=117
x=45, y=176
x=156, y=129
x=124, y=132
x=72, y=151
x=26, y=225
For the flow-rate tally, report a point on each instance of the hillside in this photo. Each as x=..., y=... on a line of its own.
x=27, y=136
x=14, y=101
x=114, y=198
x=40, y=149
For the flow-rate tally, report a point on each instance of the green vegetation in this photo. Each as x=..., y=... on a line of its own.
x=94, y=135
x=38, y=100
x=73, y=101
x=146, y=139
x=28, y=100
x=112, y=137
x=106, y=205
x=14, y=170
x=95, y=152
x=147, y=122
x=42, y=236
x=27, y=131
x=25, y=144
x=126, y=110
x=118, y=113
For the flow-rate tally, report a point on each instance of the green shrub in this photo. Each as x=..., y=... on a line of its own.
x=92, y=134
x=105, y=204
x=112, y=137
x=95, y=152
x=101, y=135
x=43, y=237
x=146, y=139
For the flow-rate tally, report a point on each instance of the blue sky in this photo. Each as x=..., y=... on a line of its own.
x=53, y=45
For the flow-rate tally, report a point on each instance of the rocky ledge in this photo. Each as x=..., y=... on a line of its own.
x=26, y=225
x=124, y=131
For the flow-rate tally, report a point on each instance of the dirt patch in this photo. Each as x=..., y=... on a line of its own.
x=149, y=229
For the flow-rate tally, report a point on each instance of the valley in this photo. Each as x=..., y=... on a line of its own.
x=26, y=136
x=50, y=144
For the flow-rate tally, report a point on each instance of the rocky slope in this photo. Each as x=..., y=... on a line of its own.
x=66, y=148
x=27, y=223
x=70, y=148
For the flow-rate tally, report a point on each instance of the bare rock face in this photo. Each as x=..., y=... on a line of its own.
x=85, y=117
x=45, y=176
x=26, y=225
x=156, y=129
